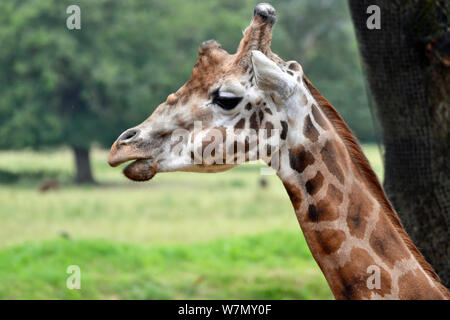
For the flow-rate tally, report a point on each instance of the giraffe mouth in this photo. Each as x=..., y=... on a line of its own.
x=140, y=170
x=143, y=167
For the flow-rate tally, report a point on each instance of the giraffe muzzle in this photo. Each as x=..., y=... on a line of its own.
x=124, y=150
x=120, y=153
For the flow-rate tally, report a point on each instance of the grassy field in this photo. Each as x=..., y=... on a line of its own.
x=181, y=235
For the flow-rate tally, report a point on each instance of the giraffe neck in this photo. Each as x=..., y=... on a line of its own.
x=351, y=230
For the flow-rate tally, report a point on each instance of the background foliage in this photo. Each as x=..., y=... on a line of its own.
x=77, y=87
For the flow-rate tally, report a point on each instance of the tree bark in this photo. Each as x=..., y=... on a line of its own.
x=83, y=165
x=408, y=73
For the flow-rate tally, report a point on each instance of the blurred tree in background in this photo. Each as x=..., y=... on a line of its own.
x=79, y=87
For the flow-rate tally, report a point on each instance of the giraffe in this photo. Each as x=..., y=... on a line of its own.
x=349, y=224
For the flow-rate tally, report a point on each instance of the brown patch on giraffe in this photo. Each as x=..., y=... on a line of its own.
x=327, y=208
x=253, y=121
x=269, y=128
x=261, y=116
x=324, y=211
x=328, y=240
x=359, y=209
x=268, y=110
x=334, y=195
x=314, y=184
x=294, y=66
x=299, y=158
x=415, y=286
x=313, y=214
x=258, y=102
x=294, y=194
x=329, y=157
x=386, y=242
x=309, y=130
x=318, y=117
x=350, y=281
x=284, y=130
x=240, y=124
x=248, y=106
x=267, y=149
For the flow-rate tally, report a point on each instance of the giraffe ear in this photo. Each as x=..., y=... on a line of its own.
x=269, y=77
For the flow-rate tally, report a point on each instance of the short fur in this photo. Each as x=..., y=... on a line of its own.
x=371, y=180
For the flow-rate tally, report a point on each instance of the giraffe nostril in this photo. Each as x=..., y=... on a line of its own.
x=128, y=136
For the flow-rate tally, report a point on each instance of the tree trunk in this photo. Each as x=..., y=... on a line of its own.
x=408, y=74
x=83, y=165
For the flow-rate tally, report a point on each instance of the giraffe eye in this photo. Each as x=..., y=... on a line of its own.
x=226, y=102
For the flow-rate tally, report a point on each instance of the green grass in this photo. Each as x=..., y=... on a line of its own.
x=238, y=267
x=181, y=235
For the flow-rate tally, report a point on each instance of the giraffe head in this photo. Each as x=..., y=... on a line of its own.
x=234, y=108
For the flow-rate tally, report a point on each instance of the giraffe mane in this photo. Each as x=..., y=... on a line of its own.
x=362, y=164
